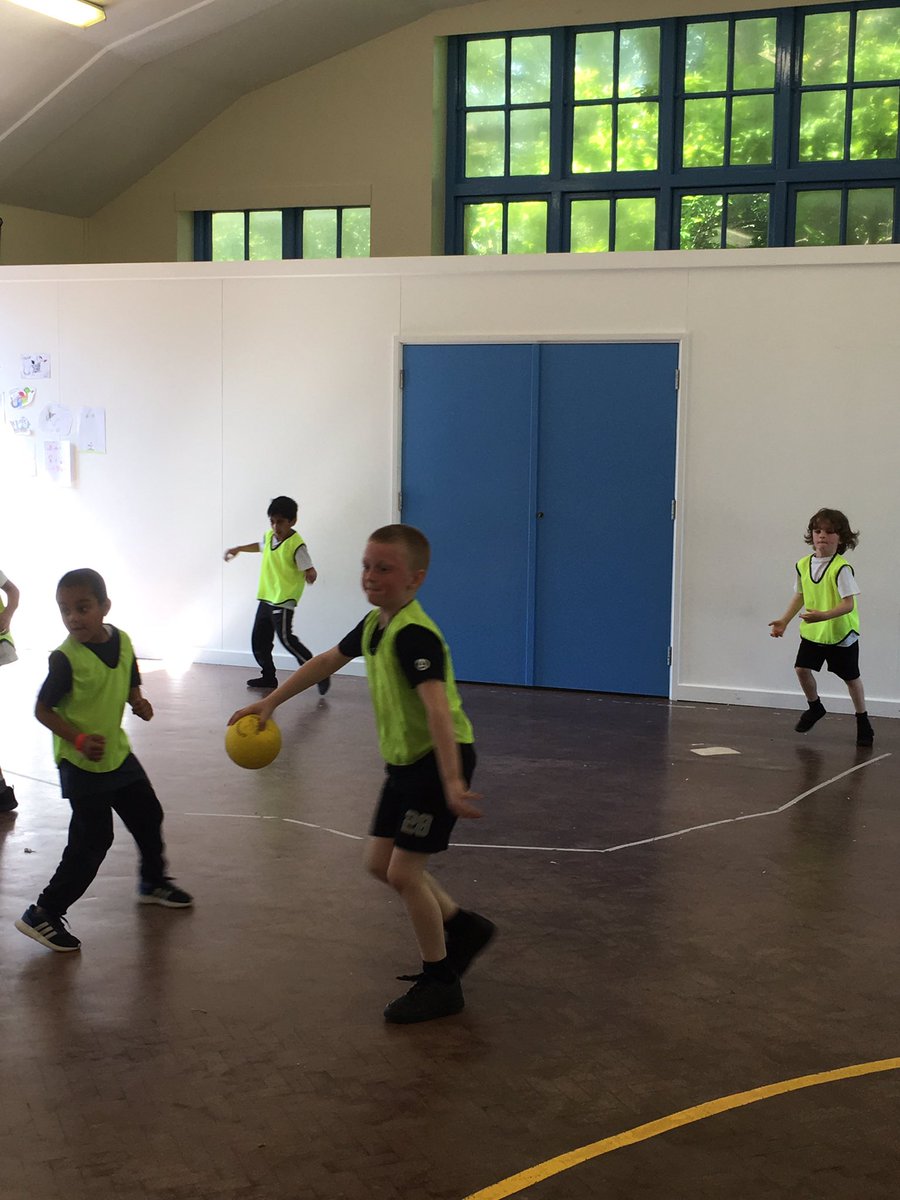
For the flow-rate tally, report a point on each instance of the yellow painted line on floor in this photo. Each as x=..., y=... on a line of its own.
x=687, y=1116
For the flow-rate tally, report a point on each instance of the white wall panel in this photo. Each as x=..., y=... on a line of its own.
x=227, y=384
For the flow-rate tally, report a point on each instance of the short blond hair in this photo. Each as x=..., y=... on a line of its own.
x=418, y=549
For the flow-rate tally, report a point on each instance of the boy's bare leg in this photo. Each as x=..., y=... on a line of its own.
x=408, y=876
x=448, y=906
x=865, y=734
x=461, y=944
x=808, y=683
x=857, y=695
x=816, y=709
x=377, y=856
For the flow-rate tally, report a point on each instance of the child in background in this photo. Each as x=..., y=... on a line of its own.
x=829, y=632
x=285, y=570
x=92, y=675
x=7, y=655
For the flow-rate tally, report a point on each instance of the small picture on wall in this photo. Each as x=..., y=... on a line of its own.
x=92, y=431
x=19, y=410
x=35, y=366
x=22, y=397
x=55, y=421
x=56, y=462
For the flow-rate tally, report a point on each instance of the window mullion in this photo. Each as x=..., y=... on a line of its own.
x=562, y=67
x=668, y=126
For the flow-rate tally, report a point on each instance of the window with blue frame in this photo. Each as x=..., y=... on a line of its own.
x=247, y=236
x=776, y=127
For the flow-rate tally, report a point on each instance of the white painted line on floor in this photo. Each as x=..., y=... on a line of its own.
x=660, y=837
x=34, y=779
x=233, y=816
x=356, y=837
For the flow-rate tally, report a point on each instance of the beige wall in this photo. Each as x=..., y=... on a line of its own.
x=364, y=127
x=224, y=383
x=40, y=237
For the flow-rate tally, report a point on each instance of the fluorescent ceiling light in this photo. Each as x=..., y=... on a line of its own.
x=73, y=12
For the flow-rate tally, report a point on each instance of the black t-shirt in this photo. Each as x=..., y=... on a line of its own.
x=76, y=783
x=58, y=683
x=419, y=651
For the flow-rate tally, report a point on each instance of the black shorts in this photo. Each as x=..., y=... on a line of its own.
x=412, y=809
x=843, y=661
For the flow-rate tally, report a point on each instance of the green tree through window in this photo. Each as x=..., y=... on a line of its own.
x=735, y=130
x=267, y=234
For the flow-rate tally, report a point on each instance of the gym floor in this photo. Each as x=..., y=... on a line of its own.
x=676, y=930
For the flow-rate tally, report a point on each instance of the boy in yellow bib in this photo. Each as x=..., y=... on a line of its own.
x=427, y=743
x=285, y=571
x=92, y=675
x=829, y=633
x=7, y=655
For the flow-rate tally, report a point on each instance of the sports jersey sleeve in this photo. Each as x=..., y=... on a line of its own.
x=58, y=683
x=302, y=559
x=846, y=582
x=420, y=654
x=351, y=645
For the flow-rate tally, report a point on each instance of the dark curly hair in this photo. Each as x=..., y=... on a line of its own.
x=847, y=539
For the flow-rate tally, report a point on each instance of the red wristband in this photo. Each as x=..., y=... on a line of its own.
x=79, y=741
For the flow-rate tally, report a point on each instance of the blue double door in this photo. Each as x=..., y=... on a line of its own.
x=544, y=477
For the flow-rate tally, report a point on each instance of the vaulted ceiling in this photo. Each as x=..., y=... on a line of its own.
x=86, y=113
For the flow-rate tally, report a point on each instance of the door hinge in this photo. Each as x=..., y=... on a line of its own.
x=402, y=378
x=669, y=657
x=674, y=502
x=399, y=502
x=677, y=378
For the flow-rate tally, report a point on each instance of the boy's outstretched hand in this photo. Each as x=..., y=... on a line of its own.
x=260, y=709
x=143, y=708
x=777, y=628
x=460, y=802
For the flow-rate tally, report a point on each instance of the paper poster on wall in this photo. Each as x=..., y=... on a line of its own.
x=35, y=366
x=92, y=431
x=56, y=462
x=22, y=397
x=55, y=421
x=19, y=410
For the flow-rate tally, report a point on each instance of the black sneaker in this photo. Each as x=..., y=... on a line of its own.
x=45, y=928
x=468, y=939
x=165, y=893
x=8, y=799
x=262, y=682
x=323, y=686
x=865, y=734
x=426, y=999
x=814, y=713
